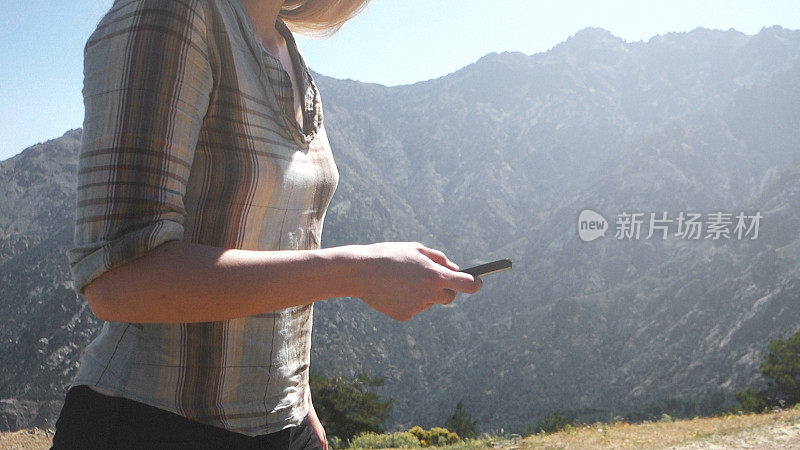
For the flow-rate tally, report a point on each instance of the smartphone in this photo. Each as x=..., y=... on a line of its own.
x=486, y=269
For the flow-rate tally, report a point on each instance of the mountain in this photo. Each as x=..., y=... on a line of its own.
x=497, y=160
x=44, y=324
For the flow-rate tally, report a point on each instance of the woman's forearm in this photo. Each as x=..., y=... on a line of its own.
x=184, y=282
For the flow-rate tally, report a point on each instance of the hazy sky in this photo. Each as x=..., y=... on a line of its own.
x=393, y=42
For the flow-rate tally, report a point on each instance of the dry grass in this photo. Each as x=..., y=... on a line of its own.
x=761, y=431
x=26, y=439
x=769, y=430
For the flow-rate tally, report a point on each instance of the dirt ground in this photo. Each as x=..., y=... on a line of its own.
x=774, y=430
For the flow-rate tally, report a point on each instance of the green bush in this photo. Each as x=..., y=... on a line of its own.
x=552, y=423
x=461, y=423
x=782, y=366
x=402, y=439
x=751, y=401
x=435, y=436
x=346, y=406
x=529, y=430
x=335, y=443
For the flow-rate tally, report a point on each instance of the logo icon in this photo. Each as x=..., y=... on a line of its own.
x=591, y=225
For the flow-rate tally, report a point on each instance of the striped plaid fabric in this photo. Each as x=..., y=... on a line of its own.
x=190, y=134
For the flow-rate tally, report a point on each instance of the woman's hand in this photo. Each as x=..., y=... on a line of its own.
x=405, y=278
x=316, y=425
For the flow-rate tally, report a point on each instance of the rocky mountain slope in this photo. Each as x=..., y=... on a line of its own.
x=497, y=160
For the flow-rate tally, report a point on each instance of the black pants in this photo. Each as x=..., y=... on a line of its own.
x=90, y=420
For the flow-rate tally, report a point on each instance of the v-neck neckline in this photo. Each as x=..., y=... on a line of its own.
x=310, y=103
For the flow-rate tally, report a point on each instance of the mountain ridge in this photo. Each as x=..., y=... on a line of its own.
x=497, y=160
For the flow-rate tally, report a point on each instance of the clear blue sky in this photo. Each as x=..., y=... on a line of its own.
x=393, y=42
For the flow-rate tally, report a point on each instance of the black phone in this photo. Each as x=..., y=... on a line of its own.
x=486, y=269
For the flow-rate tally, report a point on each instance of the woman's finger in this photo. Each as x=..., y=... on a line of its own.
x=447, y=296
x=438, y=257
x=461, y=282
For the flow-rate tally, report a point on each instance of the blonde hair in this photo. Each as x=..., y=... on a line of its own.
x=319, y=17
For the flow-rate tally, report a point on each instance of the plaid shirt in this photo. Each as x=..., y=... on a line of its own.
x=190, y=134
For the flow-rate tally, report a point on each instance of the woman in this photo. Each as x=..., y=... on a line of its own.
x=203, y=155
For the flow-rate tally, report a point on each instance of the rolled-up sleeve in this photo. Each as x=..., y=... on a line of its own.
x=147, y=84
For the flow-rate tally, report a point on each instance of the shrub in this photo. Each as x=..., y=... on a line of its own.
x=555, y=422
x=782, y=365
x=394, y=440
x=335, y=443
x=529, y=430
x=552, y=423
x=435, y=436
x=461, y=423
x=754, y=402
x=347, y=406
